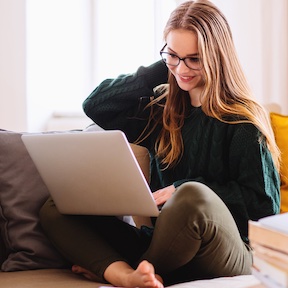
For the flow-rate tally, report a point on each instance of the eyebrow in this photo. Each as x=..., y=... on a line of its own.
x=189, y=55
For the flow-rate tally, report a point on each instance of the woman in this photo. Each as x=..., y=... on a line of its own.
x=214, y=163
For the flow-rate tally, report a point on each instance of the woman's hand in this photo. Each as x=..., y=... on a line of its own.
x=162, y=195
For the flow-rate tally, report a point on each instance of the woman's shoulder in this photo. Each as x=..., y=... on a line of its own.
x=235, y=128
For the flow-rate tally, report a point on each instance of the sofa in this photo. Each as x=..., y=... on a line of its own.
x=28, y=259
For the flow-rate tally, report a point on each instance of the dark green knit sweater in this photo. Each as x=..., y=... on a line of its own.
x=226, y=157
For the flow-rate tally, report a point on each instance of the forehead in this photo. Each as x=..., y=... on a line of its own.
x=183, y=42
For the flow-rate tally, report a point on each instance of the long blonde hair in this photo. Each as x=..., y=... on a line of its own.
x=226, y=94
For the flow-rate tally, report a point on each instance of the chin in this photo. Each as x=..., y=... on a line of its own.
x=186, y=87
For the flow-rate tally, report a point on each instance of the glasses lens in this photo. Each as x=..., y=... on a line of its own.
x=170, y=59
x=193, y=63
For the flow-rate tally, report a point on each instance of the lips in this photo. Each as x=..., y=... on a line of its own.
x=186, y=79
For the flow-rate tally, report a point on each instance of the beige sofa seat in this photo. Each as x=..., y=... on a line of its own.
x=54, y=278
x=46, y=278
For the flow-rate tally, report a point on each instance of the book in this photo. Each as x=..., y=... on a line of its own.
x=278, y=222
x=273, y=271
x=277, y=257
x=266, y=280
x=270, y=232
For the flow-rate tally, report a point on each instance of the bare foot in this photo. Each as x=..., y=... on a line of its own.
x=144, y=276
x=86, y=273
x=121, y=274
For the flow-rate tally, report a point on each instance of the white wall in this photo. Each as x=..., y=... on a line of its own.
x=12, y=65
x=128, y=34
x=70, y=51
x=58, y=58
x=62, y=68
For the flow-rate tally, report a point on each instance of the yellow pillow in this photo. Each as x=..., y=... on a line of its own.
x=280, y=127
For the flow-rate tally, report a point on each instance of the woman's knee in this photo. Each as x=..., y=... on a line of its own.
x=196, y=200
x=193, y=195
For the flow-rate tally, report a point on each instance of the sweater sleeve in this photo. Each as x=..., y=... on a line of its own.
x=116, y=103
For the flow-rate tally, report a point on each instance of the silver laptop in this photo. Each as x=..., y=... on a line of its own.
x=91, y=173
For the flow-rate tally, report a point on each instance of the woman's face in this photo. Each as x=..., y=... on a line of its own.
x=183, y=43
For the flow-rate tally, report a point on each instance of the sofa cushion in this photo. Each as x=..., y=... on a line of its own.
x=46, y=278
x=22, y=193
x=280, y=127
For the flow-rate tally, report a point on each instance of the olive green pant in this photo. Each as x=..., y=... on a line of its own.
x=195, y=237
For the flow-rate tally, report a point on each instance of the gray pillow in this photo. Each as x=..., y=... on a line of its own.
x=22, y=193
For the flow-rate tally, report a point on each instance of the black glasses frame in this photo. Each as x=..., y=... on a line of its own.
x=179, y=59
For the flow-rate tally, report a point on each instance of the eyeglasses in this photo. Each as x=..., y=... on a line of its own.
x=191, y=62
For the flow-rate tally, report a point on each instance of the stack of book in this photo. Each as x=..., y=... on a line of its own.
x=269, y=240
